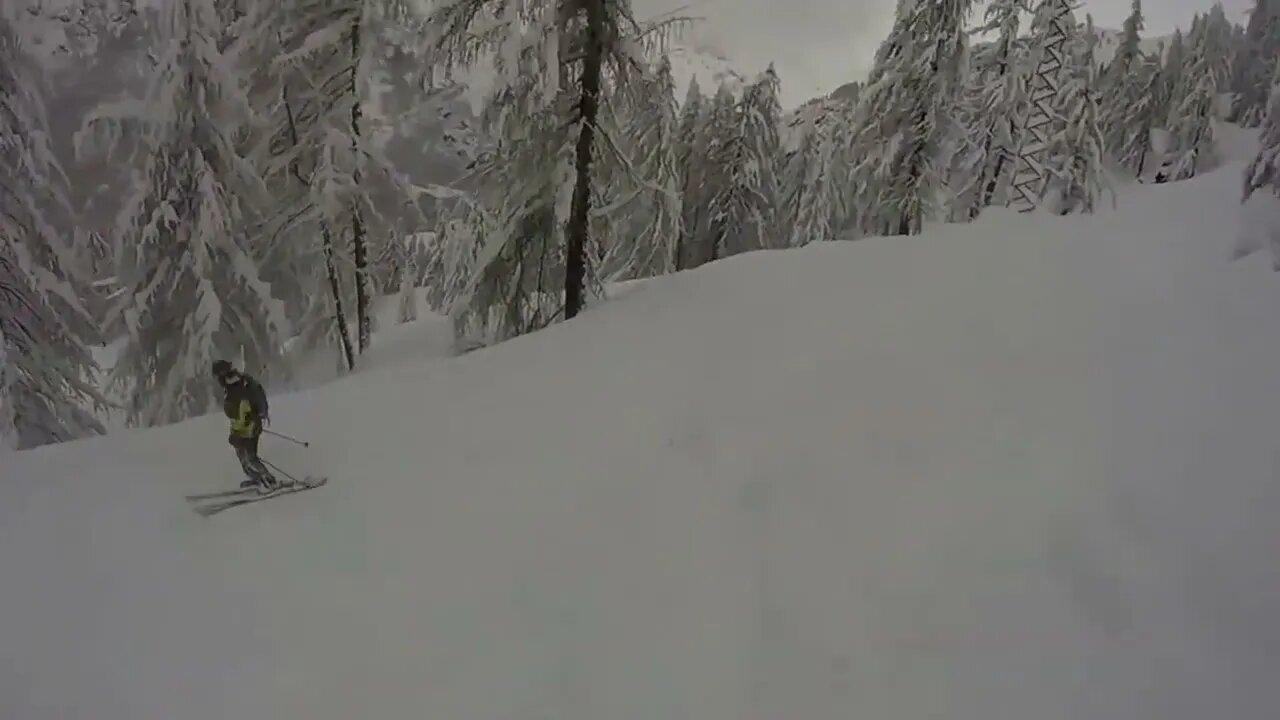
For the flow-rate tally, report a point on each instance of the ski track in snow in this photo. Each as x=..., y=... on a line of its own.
x=1023, y=468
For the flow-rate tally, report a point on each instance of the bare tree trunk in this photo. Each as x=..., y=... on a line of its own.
x=335, y=288
x=340, y=316
x=686, y=232
x=588, y=108
x=911, y=221
x=364, y=326
x=989, y=192
x=359, y=251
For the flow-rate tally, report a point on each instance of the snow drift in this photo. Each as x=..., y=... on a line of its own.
x=1023, y=468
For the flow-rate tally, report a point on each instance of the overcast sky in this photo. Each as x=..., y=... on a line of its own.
x=819, y=45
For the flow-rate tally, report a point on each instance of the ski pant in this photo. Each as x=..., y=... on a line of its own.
x=247, y=454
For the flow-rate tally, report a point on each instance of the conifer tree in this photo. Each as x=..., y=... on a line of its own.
x=690, y=160
x=644, y=236
x=994, y=97
x=743, y=210
x=1218, y=47
x=46, y=370
x=182, y=242
x=717, y=133
x=1075, y=154
x=807, y=185
x=1264, y=171
x=576, y=42
x=1253, y=63
x=1191, y=120
x=904, y=114
x=1128, y=98
x=321, y=143
x=1171, y=78
x=1264, y=174
x=507, y=277
x=1144, y=115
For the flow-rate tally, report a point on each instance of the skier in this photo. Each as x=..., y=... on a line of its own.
x=245, y=403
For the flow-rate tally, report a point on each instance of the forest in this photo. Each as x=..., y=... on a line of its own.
x=244, y=179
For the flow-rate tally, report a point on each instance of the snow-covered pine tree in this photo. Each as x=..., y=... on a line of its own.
x=704, y=127
x=1263, y=173
x=1144, y=114
x=743, y=211
x=807, y=190
x=647, y=212
x=1074, y=156
x=577, y=41
x=843, y=124
x=904, y=110
x=690, y=159
x=1129, y=50
x=1191, y=119
x=450, y=255
x=1253, y=66
x=1126, y=94
x=717, y=133
x=524, y=181
x=46, y=369
x=995, y=93
x=407, y=309
x=295, y=248
x=1171, y=78
x=1218, y=32
x=193, y=289
x=962, y=145
x=322, y=141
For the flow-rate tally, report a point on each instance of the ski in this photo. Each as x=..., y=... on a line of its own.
x=221, y=494
x=252, y=495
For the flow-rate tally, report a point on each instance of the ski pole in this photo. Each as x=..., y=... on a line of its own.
x=303, y=443
x=275, y=467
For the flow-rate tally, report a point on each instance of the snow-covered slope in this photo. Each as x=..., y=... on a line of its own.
x=429, y=337
x=1024, y=468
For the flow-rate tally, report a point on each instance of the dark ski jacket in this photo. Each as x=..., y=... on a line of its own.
x=245, y=404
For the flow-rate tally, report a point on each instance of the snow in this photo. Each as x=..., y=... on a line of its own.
x=394, y=344
x=1235, y=144
x=1019, y=468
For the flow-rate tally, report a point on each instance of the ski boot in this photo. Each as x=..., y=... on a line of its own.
x=263, y=485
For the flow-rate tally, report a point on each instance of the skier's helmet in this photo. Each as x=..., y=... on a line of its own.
x=222, y=369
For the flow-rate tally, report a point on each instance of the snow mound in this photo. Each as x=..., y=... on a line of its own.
x=394, y=344
x=1019, y=468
